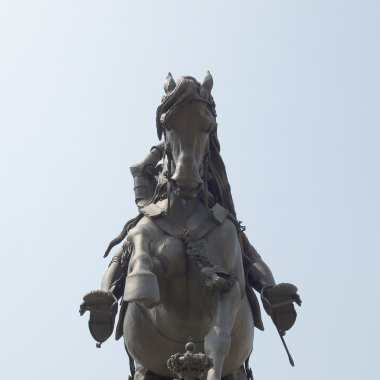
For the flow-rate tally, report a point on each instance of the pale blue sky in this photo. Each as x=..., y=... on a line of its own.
x=297, y=89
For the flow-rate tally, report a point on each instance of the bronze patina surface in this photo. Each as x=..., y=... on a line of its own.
x=186, y=270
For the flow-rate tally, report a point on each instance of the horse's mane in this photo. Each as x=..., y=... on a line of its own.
x=188, y=89
x=218, y=184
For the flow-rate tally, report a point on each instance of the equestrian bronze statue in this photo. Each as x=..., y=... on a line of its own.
x=186, y=273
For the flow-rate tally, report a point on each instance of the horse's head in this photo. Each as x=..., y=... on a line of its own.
x=186, y=117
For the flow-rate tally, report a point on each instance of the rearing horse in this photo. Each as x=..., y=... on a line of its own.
x=190, y=267
x=185, y=276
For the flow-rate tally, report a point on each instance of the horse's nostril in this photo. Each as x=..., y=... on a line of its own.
x=186, y=175
x=186, y=182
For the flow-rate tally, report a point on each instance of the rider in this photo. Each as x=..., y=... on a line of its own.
x=102, y=304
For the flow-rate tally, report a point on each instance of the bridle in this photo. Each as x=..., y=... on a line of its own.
x=168, y=158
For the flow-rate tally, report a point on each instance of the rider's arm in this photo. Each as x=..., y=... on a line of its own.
x=143, y=174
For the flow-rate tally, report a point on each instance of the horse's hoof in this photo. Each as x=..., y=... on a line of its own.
x=142, y=287
x=147, y=302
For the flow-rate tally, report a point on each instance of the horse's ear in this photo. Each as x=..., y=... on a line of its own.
x=170, y=84
x=206, y=86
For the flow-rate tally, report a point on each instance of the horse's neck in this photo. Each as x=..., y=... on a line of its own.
x=184, y=213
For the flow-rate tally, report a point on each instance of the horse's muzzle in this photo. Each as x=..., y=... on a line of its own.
x=187, y=187
x=187, y=193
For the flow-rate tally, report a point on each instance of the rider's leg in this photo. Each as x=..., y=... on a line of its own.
x=259, y=274
x=277, y=299
x=114, y=277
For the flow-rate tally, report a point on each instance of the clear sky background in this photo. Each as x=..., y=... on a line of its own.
x=297, y=89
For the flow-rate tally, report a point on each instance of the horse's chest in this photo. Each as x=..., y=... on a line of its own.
x=179, y=277
x=171, y=253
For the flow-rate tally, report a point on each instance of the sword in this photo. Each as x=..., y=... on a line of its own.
x=282, y=333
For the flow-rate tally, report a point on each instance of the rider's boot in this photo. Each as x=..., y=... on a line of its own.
x=278, y=302
x=103, y=309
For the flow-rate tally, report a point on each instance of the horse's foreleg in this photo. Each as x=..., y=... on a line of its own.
x=141, y=284
x=218, y=340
